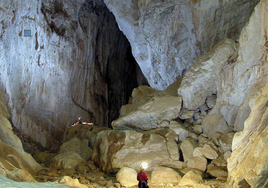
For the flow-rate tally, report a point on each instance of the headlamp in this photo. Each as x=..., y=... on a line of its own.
x=144, y=165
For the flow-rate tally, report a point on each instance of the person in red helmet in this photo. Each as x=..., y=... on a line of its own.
x=142, y=178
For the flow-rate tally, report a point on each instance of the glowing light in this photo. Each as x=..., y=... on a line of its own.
x=144, y=165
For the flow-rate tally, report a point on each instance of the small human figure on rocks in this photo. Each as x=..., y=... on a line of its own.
x=81, y=122
x=142, y=177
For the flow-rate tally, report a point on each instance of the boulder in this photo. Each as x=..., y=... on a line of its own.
x=139, y=96
x=127, y=177
x=20, y=175
x=193, y=136
x=66, y=160
x=44, y=157
x=205, y=107
x=214, y=122
x=225, y=141
x=186, y=114
x=187, y=148
x=206, y=151
x=220, y=161
x=78, y=146
x=216, y=171
x=199, y=81
x=13, y=165
x=202, y=140
x=116, y=149
x=215, y=138
x=82, y=168
x=172, y=146
x=79, y=131
x=163, y=175
x=92, y=134
x=211, y=101
x=199, y=163
x=150, y=114
x=191, y=178
x=199, y=115
x=181, y=131
x=66, y=180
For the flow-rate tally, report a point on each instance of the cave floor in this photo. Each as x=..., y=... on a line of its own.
x=98, y=179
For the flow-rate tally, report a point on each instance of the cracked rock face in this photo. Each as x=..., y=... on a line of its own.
x=76, y=62
x=131, y=148
x=166, y=36
x=247, y=165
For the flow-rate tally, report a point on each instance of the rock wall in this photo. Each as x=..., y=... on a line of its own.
x=14, y=161
x=248, y=163
x=76, y=62
x=166, y=36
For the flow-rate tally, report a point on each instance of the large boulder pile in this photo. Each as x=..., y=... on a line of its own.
x=220, y=94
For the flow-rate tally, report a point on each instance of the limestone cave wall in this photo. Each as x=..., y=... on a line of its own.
x=166, y=36
x=76, y=62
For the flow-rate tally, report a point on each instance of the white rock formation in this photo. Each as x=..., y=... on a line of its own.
x=243, y=79
x=199, y=81
x=247, y=166
x=150, y=114
x=58, y=73
x=165, y=51
x=177, y=128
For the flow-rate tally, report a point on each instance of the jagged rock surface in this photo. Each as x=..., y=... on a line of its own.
x=200, y=80
x=115, y=149
x=246, y=166
x=151, y=114
x=165, y=51
x=67, y=68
